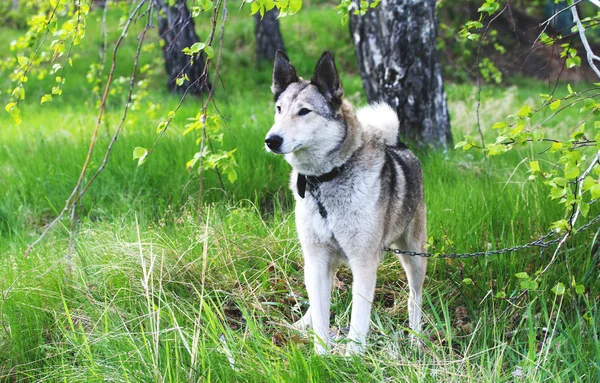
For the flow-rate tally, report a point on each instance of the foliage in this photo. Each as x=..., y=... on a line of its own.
x=14, y=17
x=65, y=23
x=464, y=39
x=158, y=293
x=285, y=7
x=574, y=172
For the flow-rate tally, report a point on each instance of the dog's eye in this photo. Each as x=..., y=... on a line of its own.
x=304, y=112
x=278, y=109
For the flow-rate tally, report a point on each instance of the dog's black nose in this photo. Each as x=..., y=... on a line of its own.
x=274, y=142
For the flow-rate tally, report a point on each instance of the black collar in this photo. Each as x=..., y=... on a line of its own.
x=315, y=180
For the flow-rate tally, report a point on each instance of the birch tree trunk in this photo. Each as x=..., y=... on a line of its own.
x=176, y=27
x=267, y=35
x=396, y=52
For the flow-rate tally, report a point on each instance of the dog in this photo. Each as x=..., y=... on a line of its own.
x=357, y=190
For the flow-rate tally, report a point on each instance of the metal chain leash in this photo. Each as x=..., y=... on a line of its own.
x=541, y=242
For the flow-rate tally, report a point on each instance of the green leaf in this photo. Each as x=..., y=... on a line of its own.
x=545, y=39
x=595, y=191
x=296, y=5
x=231, y=175
x=525, y=111
x=555, y=105
x=140, y=154
x=557, y=193
x=162, y=126
x=556, y=146
x=467, y=281
x=588, y=182
x=496, y=149
x=534, y=166
x=19, y=92
x=559, y=289
x=573, y=62
x=560, y=181
x=560, y=226
x=14, y=111
x=584, y=208
x=522, y=275
x=210, y=53
x=532, y=285
x=571, y=171
x=499, y=125
x=197, y=47
x=46, y=98
x=22, y=60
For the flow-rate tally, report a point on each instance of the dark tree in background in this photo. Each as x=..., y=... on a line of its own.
x=395, y=46
x=176, y=28
x=268, y=35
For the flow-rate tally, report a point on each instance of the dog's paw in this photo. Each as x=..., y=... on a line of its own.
x=348, y=348
x=321, y=348
x=303, y=323
x=353, y=348
x=416, y=342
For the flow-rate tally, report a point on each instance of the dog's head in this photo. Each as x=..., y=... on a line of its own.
x=307, y=113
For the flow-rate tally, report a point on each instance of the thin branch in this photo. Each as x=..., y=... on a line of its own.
x=580, y=193
x=210, y=95
x=487, y=28
x=126, y=109
x=548, y=20
x=69, y=200
x=590, y=54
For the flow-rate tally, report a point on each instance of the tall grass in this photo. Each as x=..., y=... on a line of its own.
x=156, y=292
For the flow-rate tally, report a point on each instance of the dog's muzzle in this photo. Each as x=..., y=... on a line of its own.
x=274, y=143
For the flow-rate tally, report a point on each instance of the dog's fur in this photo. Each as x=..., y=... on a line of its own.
x=364, y=191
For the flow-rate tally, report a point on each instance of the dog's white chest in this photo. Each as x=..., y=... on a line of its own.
x=336, y=213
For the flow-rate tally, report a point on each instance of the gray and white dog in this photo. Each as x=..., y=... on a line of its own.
x=357, y=190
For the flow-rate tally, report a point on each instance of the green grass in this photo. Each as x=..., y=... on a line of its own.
x=153, y=287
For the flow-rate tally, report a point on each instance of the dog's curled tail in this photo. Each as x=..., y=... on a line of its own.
x=380, y=119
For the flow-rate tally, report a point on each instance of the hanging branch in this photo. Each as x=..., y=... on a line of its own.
x=74, y=197
x=82, y=186
x=591, y=57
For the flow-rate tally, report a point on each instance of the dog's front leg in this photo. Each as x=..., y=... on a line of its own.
x=364, y=276
x=318, y=279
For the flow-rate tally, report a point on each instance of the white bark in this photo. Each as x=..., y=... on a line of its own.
x=397, y=58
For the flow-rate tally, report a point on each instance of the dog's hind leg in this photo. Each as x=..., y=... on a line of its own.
x=414, y=266
x=415, y=273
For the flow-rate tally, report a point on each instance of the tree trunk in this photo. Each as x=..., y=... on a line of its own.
x=268, y=35
x=396, y=52
x=176, y=27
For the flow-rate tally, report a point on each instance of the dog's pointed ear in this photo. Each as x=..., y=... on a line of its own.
x=283, y=74
x=326, y=78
